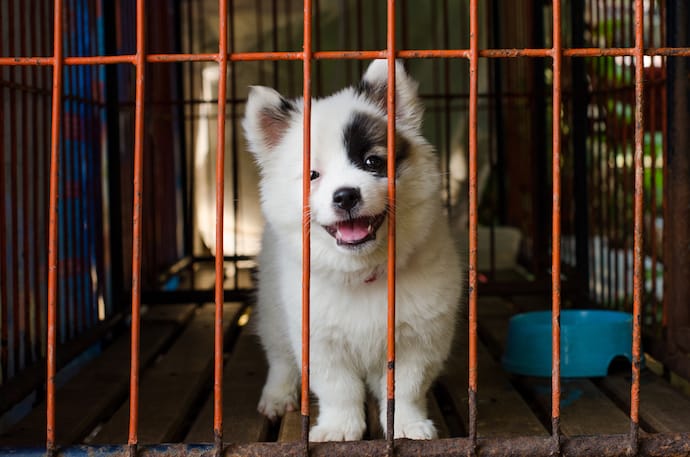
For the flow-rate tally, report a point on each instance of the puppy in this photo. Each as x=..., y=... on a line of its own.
x=349, y=211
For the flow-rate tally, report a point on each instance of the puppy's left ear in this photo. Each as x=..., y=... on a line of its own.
x=266, y=119
x=374, y=86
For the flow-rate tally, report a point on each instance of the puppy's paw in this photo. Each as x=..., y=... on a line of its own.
x=337, y=431
x=418, y=430
x=274, y=403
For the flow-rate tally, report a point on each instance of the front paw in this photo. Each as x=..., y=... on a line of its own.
x=418, y=430
x=352, y=430
x=274, y=403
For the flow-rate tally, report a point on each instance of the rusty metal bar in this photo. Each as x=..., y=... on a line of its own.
x=220, y=201
x=138, y=201
x=473, y=222
x=390, y=357
x=53, y=225
x=637, y=228
x=556, y=229
x=652, y=445
x=348, y=54
x=306, y=221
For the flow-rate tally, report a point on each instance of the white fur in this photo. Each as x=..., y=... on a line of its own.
x=348, y=308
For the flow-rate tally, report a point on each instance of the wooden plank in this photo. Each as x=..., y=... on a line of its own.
x=244, y=376
x=101, y=385
x=662, y=408
x=170, y=388
x=502, y=412
x=291, y=424
x=585, y=410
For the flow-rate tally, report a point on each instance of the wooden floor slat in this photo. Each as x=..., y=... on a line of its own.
x=101, y=385
x=291, y=424
x=170, y=388
x=244, y=376
x=662, y=408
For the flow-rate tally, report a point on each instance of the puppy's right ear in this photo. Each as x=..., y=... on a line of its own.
x=266, y=119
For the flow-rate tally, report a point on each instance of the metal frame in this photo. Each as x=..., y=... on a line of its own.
x=659, y=444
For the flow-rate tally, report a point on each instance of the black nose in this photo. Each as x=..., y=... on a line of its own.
x=346, y=198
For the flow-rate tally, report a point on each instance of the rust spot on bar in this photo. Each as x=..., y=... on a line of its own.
x=390, y=421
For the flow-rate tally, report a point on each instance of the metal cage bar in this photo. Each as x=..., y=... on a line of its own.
x=637, y=229
x=140, y=68
x=505, y=53
x=306, y=218
x=557, y=55
x=219, y=254
x=390, y=369
x=57, y=62
x=473, y=221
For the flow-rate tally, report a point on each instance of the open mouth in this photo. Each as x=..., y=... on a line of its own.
x=353, y=232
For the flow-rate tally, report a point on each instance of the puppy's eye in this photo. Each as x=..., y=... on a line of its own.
x=314, y=174
x=375, y=163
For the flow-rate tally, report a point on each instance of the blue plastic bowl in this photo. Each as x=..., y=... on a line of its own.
x=590, y=341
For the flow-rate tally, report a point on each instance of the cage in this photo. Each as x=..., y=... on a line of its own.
x=559, y=127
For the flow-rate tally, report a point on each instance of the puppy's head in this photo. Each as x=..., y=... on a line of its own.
x=349, y=202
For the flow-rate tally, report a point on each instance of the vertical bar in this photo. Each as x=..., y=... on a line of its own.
x=306, y=218
x=53, y=225
x=473, y=221
x=140, y=62
x=637, y=230
x=390, y=99
x=556, y=229
x=220, y=253
x=580, y=134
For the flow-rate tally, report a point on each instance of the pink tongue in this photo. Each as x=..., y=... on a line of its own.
x=354, y=230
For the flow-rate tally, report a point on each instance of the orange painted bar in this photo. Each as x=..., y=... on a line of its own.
x=347, y=55
x=306, y=218
x=136, y=225
x=390, y=100
x=220, y=201
x=637, y=228
x=473, y=220
x=556, y=229
x=53, y=227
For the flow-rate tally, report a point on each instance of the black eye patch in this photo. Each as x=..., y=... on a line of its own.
x=365, y=140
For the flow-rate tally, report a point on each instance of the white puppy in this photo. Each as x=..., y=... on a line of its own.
x=349, y=209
